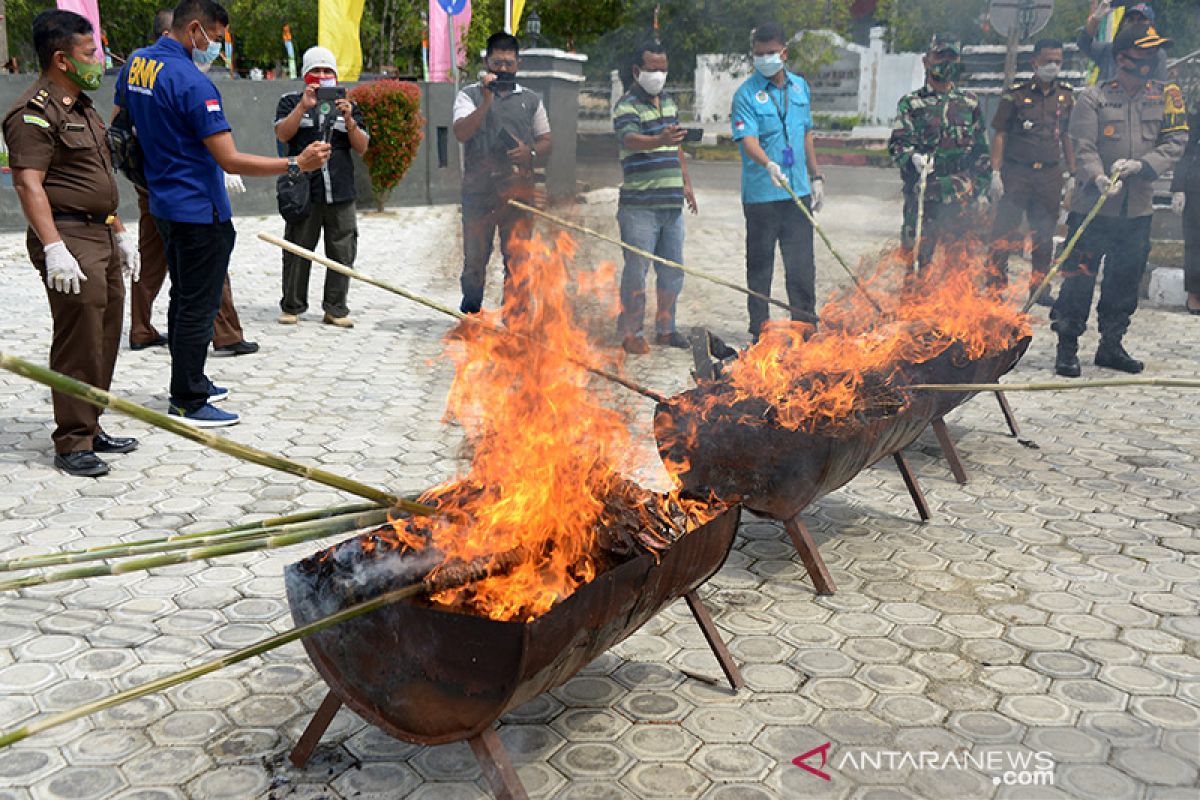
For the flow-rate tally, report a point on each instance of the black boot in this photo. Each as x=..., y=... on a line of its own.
x=1111, y=354
x=1066, y=362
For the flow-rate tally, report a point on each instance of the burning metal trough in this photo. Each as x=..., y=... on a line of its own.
x=801, y=413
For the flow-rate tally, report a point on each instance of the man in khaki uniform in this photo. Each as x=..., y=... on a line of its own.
x=1137, y=127
x=63, y=175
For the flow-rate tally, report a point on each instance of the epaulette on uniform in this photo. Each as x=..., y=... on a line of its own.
x=39, y=99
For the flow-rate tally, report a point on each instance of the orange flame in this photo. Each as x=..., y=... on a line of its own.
x=545, y=475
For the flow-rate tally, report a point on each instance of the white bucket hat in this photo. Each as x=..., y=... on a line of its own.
x=315, y=57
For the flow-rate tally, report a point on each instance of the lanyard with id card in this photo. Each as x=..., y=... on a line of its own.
x=789, y=155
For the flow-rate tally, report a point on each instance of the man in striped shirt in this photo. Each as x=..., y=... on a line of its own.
x=655, y=187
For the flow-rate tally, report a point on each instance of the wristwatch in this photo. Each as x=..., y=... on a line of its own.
x=293, y=167
x=818, y=177
x=532, y=156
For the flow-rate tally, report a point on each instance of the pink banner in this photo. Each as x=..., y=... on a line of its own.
x=91, y=10
x=439, y=40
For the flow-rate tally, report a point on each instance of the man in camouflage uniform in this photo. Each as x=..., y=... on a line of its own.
x=1136, y=127
x=940, y=130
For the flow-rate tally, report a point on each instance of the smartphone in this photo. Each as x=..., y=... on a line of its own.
x=327, y=94
x=693, y=134
x=506, y=139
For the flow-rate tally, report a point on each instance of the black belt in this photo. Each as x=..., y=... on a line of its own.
x=1032, y=164
x=76, y=216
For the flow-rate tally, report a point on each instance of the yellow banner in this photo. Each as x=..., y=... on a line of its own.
x=518, y=8
x=337, y=29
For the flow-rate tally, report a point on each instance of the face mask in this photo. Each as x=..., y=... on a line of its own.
x=87, y=74
x=652, y=82
x=945, y=72
x=204, y=58
x=1046, y=73
x=312, y=79
x=1137, y=66
x=769, y=64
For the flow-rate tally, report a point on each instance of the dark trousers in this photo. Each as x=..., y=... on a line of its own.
x=482, y=216
x=1191, y=243
x=945, y=223
x=1124, y=245
x=1035, y=195
x=782, y=223
x=339, y=222
x=227, y=328
x=198, y=262
x=87, y=327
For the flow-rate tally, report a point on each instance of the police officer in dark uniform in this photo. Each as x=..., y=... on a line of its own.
x=1136, y=128
x=63, y=175
x=1031, y=157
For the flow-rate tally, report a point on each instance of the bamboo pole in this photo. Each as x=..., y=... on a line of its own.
x=338, y=524
x=103, y=399
x=305, y=532
x=922, y=185
x=329, y=263
x=806, y=316
x=1062, y=257
x=262, y=525
x=471, y=572
x=1057, y=386
x=858, y=284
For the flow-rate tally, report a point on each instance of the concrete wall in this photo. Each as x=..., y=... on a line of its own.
x=434, y=177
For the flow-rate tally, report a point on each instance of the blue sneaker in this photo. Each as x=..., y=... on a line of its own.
x=206, y=416
x=216, y=393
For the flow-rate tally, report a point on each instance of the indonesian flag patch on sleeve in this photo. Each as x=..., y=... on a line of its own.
x=739, y=126
x=213, y=105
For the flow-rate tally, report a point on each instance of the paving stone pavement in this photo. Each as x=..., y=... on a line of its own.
x=1046, y=616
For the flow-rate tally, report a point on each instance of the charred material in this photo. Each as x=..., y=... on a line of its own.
x=430, y=674
x=737, y=452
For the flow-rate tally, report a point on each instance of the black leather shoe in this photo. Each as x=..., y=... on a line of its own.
x=1113, y=356
x=242, y=348
x=81, y=464
x=103, y=443
x=161, y=341
x=1066, y=361
x=673, y=339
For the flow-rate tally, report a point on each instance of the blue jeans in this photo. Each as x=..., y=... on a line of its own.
x=660, y=231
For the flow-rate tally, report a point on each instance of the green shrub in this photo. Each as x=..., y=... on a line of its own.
x=392, y=112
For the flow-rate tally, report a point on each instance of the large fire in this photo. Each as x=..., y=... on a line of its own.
x=824, y=379
x=548, y=452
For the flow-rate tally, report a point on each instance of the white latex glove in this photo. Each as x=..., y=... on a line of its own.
x=62, y=270
x=1102, y=10
x=234, y=184
x=1107, y=186
x=1177, y=201
x=818, y=195
x=922, y=162
x=1127, y=167
x=777, y=176
x=1069, y=191
x=131, y=259
x=996, y=190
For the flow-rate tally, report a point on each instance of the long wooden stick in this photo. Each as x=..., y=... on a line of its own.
x=1062, y=257
x=858, y=284
x=470, y=573
x=329, y=263
x=103, y=399
x=258, y=527
x=339, y=524
x=921, y=187
x=797, y=313
x=304, y=532
x=1056, y=386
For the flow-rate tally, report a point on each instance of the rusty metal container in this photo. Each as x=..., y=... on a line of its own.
x=430, y=675
x=778, y=472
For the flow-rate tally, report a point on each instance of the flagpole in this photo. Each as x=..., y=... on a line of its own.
x=508, y=16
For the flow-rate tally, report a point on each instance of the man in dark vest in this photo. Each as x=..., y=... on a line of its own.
x=506, y=133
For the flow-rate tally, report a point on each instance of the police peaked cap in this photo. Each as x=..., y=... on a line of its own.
x=1143, y=36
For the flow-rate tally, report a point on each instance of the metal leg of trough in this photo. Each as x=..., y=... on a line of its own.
x=713, y=637
x=497, y=767
x=701, y=355
x=949, y=450
x=1009, y=417
x=914, y=488
x=315, y=730
x=807, y=548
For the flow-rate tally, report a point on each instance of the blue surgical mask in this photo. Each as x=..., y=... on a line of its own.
x=769, y=64
x=204, y=58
